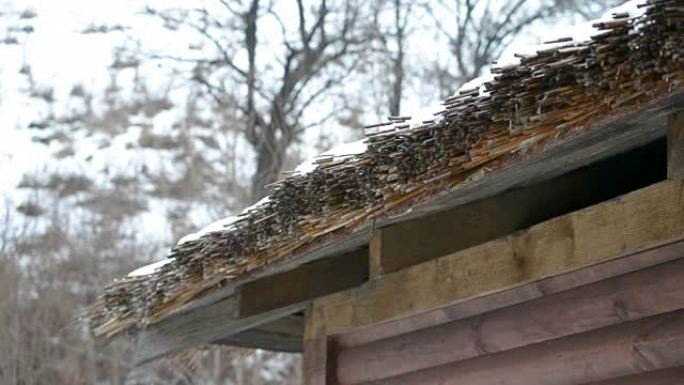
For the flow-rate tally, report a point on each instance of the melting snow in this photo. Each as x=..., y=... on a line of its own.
x=342, y=151
x=579, y=33
x=149, y=269
x=478, y=83
x=222, y=224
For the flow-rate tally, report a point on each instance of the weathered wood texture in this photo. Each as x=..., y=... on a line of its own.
x=637, y=221
x=314, y=365
x=307, y=282
x=675, y=144
x=408, y=243
x=674, y=376
x=513, y=296
x=627, y=349
x=208, y=324
x=320, y=354
x=645, y=293
x=282, y=335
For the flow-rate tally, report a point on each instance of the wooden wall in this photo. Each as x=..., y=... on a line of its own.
x=623, y=326
x=594, y=297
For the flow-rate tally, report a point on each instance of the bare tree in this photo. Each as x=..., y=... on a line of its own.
x=393, y=40
x=477, y=31
x=316, y=54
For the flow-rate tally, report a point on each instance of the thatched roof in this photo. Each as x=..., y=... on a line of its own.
x=564, y=89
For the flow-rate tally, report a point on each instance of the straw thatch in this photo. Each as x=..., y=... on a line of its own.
x=559, y=92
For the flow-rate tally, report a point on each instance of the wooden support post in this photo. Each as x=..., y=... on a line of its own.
x=375, y=254
x=675, y=146
x=320, y=353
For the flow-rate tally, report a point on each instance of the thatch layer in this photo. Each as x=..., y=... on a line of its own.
x=557, y=93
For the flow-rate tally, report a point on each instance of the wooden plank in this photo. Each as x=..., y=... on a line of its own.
x=643, y=219
x=627, y=349
x=258, y=338
x=283, y=335
x=307, y=282
x=675, y=146
x=408, y=243
x=646, y=293
x=320, y=355
x=607, y=138
x=674, y=376
x=204, y=325
x=516, y=295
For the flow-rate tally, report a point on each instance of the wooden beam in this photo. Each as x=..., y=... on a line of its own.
x=643, y=219
x=628, y=349
x=408, y=243
x=674, y=376
x=282, y=335
x=307, y=282
x=675, y=146
x=320, y=354
x=645, y=293
x=207, y=324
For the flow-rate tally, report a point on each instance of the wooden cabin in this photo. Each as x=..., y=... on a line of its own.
x=556, y=261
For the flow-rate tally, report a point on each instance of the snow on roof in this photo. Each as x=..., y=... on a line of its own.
x=343, y=150
x=222, y=224
x=578, y=33
x=150, y=269
x=478, y=82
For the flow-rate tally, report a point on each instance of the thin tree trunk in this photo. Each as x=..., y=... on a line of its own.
x=398, y=61
x=270, y=158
